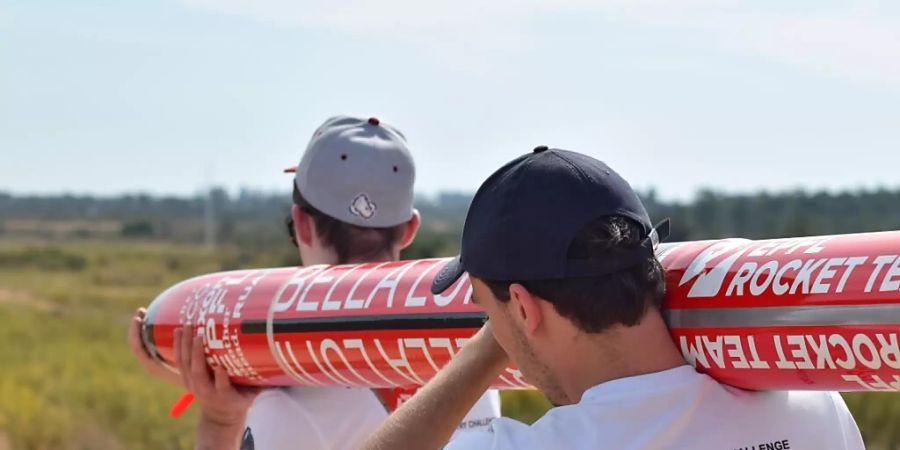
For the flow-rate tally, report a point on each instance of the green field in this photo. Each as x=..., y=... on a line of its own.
x=67, y=380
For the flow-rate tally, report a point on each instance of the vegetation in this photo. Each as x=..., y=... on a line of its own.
x=71, y=276
x=68, y=381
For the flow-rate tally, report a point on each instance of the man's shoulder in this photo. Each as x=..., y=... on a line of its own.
x=485, y=411
x=276, y=420
x=740, y=416
x=321, y=418
x=502, y=433
x=824, y=407
x=826, y=401
x=475, y=440
x=808, y=402
x=274, y=405
x=274, y=398
x=814, y=416
x=322, y=401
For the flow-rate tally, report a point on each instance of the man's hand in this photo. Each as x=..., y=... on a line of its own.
x=223, y=405
x=150, y=365
x=486, y=345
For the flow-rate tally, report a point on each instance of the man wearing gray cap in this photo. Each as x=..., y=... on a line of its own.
x=352, y=203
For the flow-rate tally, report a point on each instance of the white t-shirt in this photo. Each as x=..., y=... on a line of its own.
x=332, y=418
x=679, y=409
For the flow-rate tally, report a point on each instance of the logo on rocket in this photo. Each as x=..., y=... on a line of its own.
x=710, y=279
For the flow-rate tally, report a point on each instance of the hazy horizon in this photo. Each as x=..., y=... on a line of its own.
x=235, y=192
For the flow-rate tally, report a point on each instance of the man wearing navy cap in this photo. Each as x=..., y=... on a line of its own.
x=560, y=253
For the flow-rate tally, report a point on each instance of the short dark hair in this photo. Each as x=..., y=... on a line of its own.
x=597, y=303
x=351, y=242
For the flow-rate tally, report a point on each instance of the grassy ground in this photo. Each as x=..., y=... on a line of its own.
x=67, y=380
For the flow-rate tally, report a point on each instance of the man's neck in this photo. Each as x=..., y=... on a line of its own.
x=617, y=353
x=375, y=259
x=313, y=260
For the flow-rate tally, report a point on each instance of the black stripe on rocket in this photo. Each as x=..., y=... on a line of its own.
x=367, y=323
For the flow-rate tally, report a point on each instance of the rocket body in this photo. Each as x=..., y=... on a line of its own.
x=816, y=313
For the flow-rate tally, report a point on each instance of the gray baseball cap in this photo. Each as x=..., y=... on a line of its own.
x=358, y=171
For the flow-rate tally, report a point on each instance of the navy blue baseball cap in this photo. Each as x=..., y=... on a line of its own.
x=525, y=216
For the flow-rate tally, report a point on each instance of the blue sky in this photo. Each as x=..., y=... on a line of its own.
x=165, y=97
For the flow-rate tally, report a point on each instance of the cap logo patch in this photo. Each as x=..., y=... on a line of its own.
x=363, y=207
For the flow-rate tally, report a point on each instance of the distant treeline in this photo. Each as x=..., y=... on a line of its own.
x=770, y=215
x=247, y=205
x=256, y=218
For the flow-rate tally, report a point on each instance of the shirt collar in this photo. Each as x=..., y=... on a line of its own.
x=641, y=384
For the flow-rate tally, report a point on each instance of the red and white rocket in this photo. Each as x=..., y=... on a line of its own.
x=818, y=313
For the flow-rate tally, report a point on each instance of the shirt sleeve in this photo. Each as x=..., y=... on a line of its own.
x=276, y=422
x=850, y=435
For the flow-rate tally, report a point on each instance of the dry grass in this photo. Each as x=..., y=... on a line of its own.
x=67, y=381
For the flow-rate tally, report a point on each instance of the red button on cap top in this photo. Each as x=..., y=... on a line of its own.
x=374, y=121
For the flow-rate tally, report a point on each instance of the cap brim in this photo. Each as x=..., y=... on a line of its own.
x=447, y=275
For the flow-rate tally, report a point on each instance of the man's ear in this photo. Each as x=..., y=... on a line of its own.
x=410, y=228
x=525, y=308
x=303, y=225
